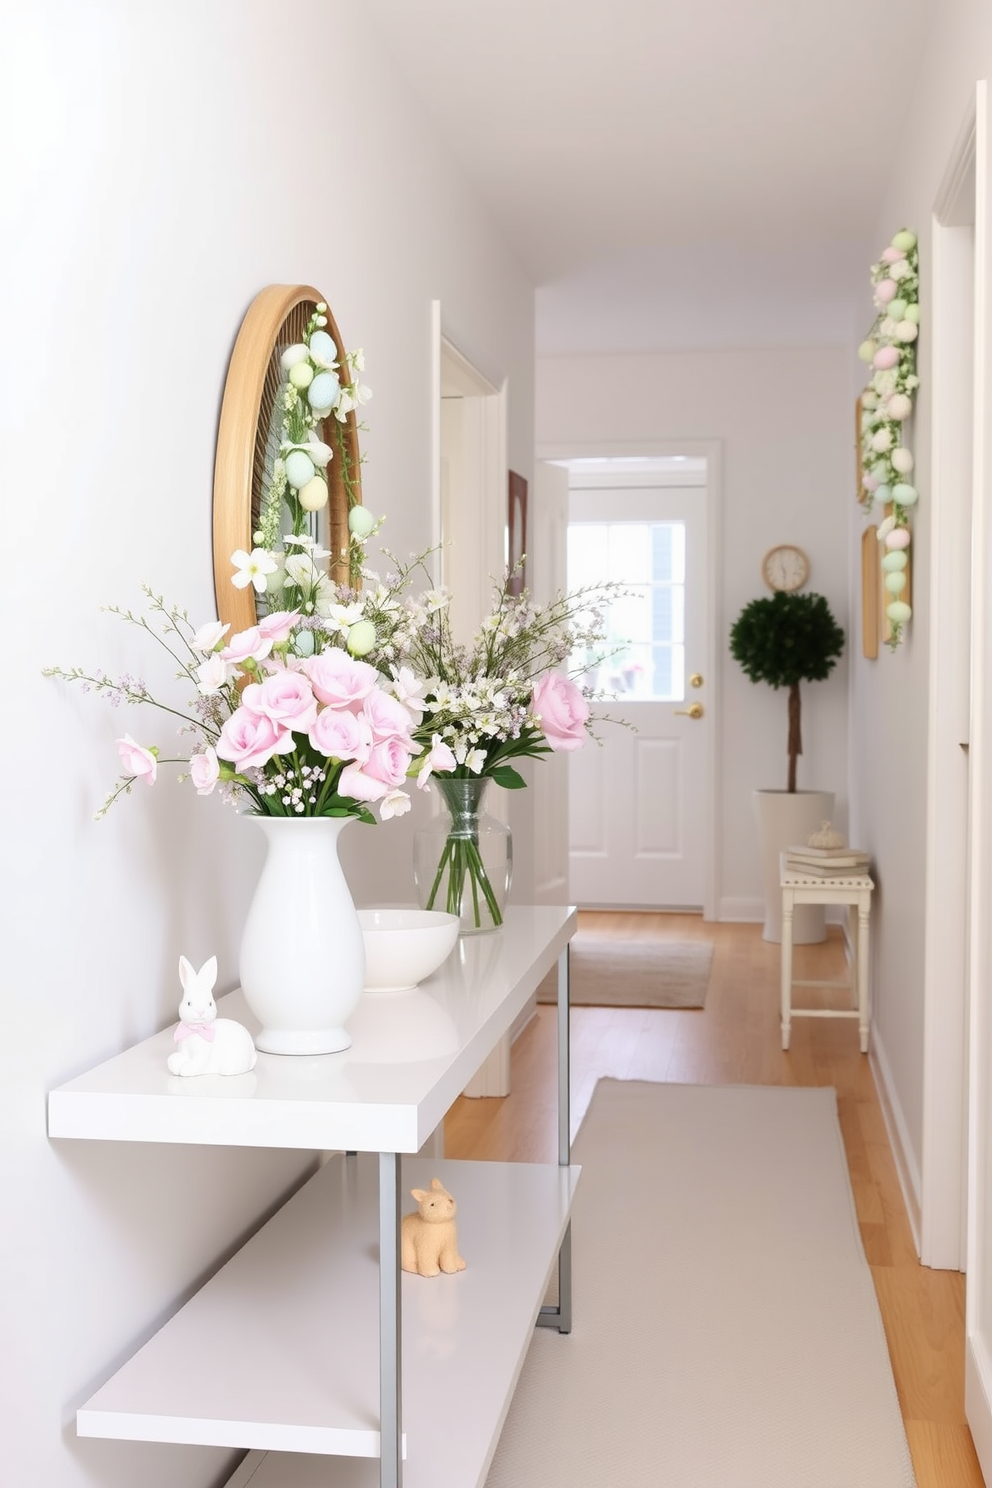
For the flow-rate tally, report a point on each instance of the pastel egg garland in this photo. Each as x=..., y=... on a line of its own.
x=318, y=381
x=886, y=405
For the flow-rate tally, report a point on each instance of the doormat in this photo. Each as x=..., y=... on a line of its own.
x=608, y=972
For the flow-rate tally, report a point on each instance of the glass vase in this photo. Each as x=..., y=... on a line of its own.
x=463, y=857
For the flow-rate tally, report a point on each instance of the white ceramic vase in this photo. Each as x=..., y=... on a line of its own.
x=786, y=819
x=302, y=953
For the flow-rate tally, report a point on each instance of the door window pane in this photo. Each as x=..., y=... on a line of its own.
x=645, y=626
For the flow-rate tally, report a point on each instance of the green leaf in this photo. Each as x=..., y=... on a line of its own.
x=508, y=777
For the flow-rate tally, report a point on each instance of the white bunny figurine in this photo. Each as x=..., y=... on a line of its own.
x=208, y=1045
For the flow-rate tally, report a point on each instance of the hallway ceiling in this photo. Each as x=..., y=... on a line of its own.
x=673, y=173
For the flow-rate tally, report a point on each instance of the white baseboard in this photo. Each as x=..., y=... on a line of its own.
x=977, y=1403
x=741, y=911
x=907, y=1167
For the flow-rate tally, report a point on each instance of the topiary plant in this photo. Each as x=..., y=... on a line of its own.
x=784, y=640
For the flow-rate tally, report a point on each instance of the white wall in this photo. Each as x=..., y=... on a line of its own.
x=168, y=161
x=785, y=424
x=890, y=696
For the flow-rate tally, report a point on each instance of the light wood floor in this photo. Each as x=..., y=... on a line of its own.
x=735, y=1040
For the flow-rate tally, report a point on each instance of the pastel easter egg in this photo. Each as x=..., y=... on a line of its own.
x=881, y=440
x=303, y=643
x=905, y=240
x=361, y=522
x=361, y=637
x=894, y=561
x=883, y=493
x=899, y=537
x=895, y=583
x=902, y=460
x=907, y=330
x=869, y=482
x=886, y=290
x=313, y=496
x=899, y=612
x=885, y=357
x=899, y=406
x=292, y=355
x=905, y=495
x=892, y=255
x=913, y=314
x=301, y=375
x=322, y=348
x=897, y=309
x=299, y=469
x=880, y=470
x=866, y=350
x=323, y=391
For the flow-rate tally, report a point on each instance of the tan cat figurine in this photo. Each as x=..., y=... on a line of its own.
x=429, y=1238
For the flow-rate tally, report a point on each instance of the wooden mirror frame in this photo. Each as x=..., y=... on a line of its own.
x=276, y=318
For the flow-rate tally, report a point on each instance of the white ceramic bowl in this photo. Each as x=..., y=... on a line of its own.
x=403, y=946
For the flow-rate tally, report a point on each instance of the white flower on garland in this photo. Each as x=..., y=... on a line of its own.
x=886, y=405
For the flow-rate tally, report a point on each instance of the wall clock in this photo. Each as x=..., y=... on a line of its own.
x=247, y=441
x=785, y=568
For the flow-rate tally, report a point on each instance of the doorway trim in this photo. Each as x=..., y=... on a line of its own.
x=711, y=451
x=953, y=624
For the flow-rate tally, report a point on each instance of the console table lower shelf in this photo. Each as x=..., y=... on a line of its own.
x=279, y=1350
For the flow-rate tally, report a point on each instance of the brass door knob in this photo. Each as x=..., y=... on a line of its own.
x=695, y=710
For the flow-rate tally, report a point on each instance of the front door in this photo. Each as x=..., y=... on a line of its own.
x=638, y=810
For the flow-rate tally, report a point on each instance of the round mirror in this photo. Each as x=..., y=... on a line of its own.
x=250, y=437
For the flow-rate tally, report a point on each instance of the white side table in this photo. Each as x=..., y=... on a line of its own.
x=854, y=890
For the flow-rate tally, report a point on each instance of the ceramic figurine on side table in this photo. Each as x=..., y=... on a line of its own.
x=429, y=1238
x=208, y=1045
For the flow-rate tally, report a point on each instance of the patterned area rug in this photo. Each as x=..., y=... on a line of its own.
x=633, y=973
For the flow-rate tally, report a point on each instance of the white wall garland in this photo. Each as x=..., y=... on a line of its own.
x=886, y=405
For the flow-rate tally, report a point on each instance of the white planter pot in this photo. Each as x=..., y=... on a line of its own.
x=302, y=952
x=785, y=820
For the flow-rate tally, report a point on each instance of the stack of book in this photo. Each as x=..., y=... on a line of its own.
x=827, y=862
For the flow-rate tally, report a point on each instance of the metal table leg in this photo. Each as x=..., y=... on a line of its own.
x=390, y=1325
x=560, y=1317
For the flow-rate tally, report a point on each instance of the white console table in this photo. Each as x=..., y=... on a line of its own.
x=310, y=1348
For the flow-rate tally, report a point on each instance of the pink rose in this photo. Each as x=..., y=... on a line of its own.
x=341, y=735
x=286, y=697
x=390, y=719
x=141, y=763
x=278, y=626
x=562, y=710
x=250, y=739
x=355, y=783
x=247, y=643
x=338, y=679
x=380, y=774
x=204, y=770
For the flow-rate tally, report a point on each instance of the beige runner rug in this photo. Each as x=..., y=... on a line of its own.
x=726, y=1332
x=608, y=972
